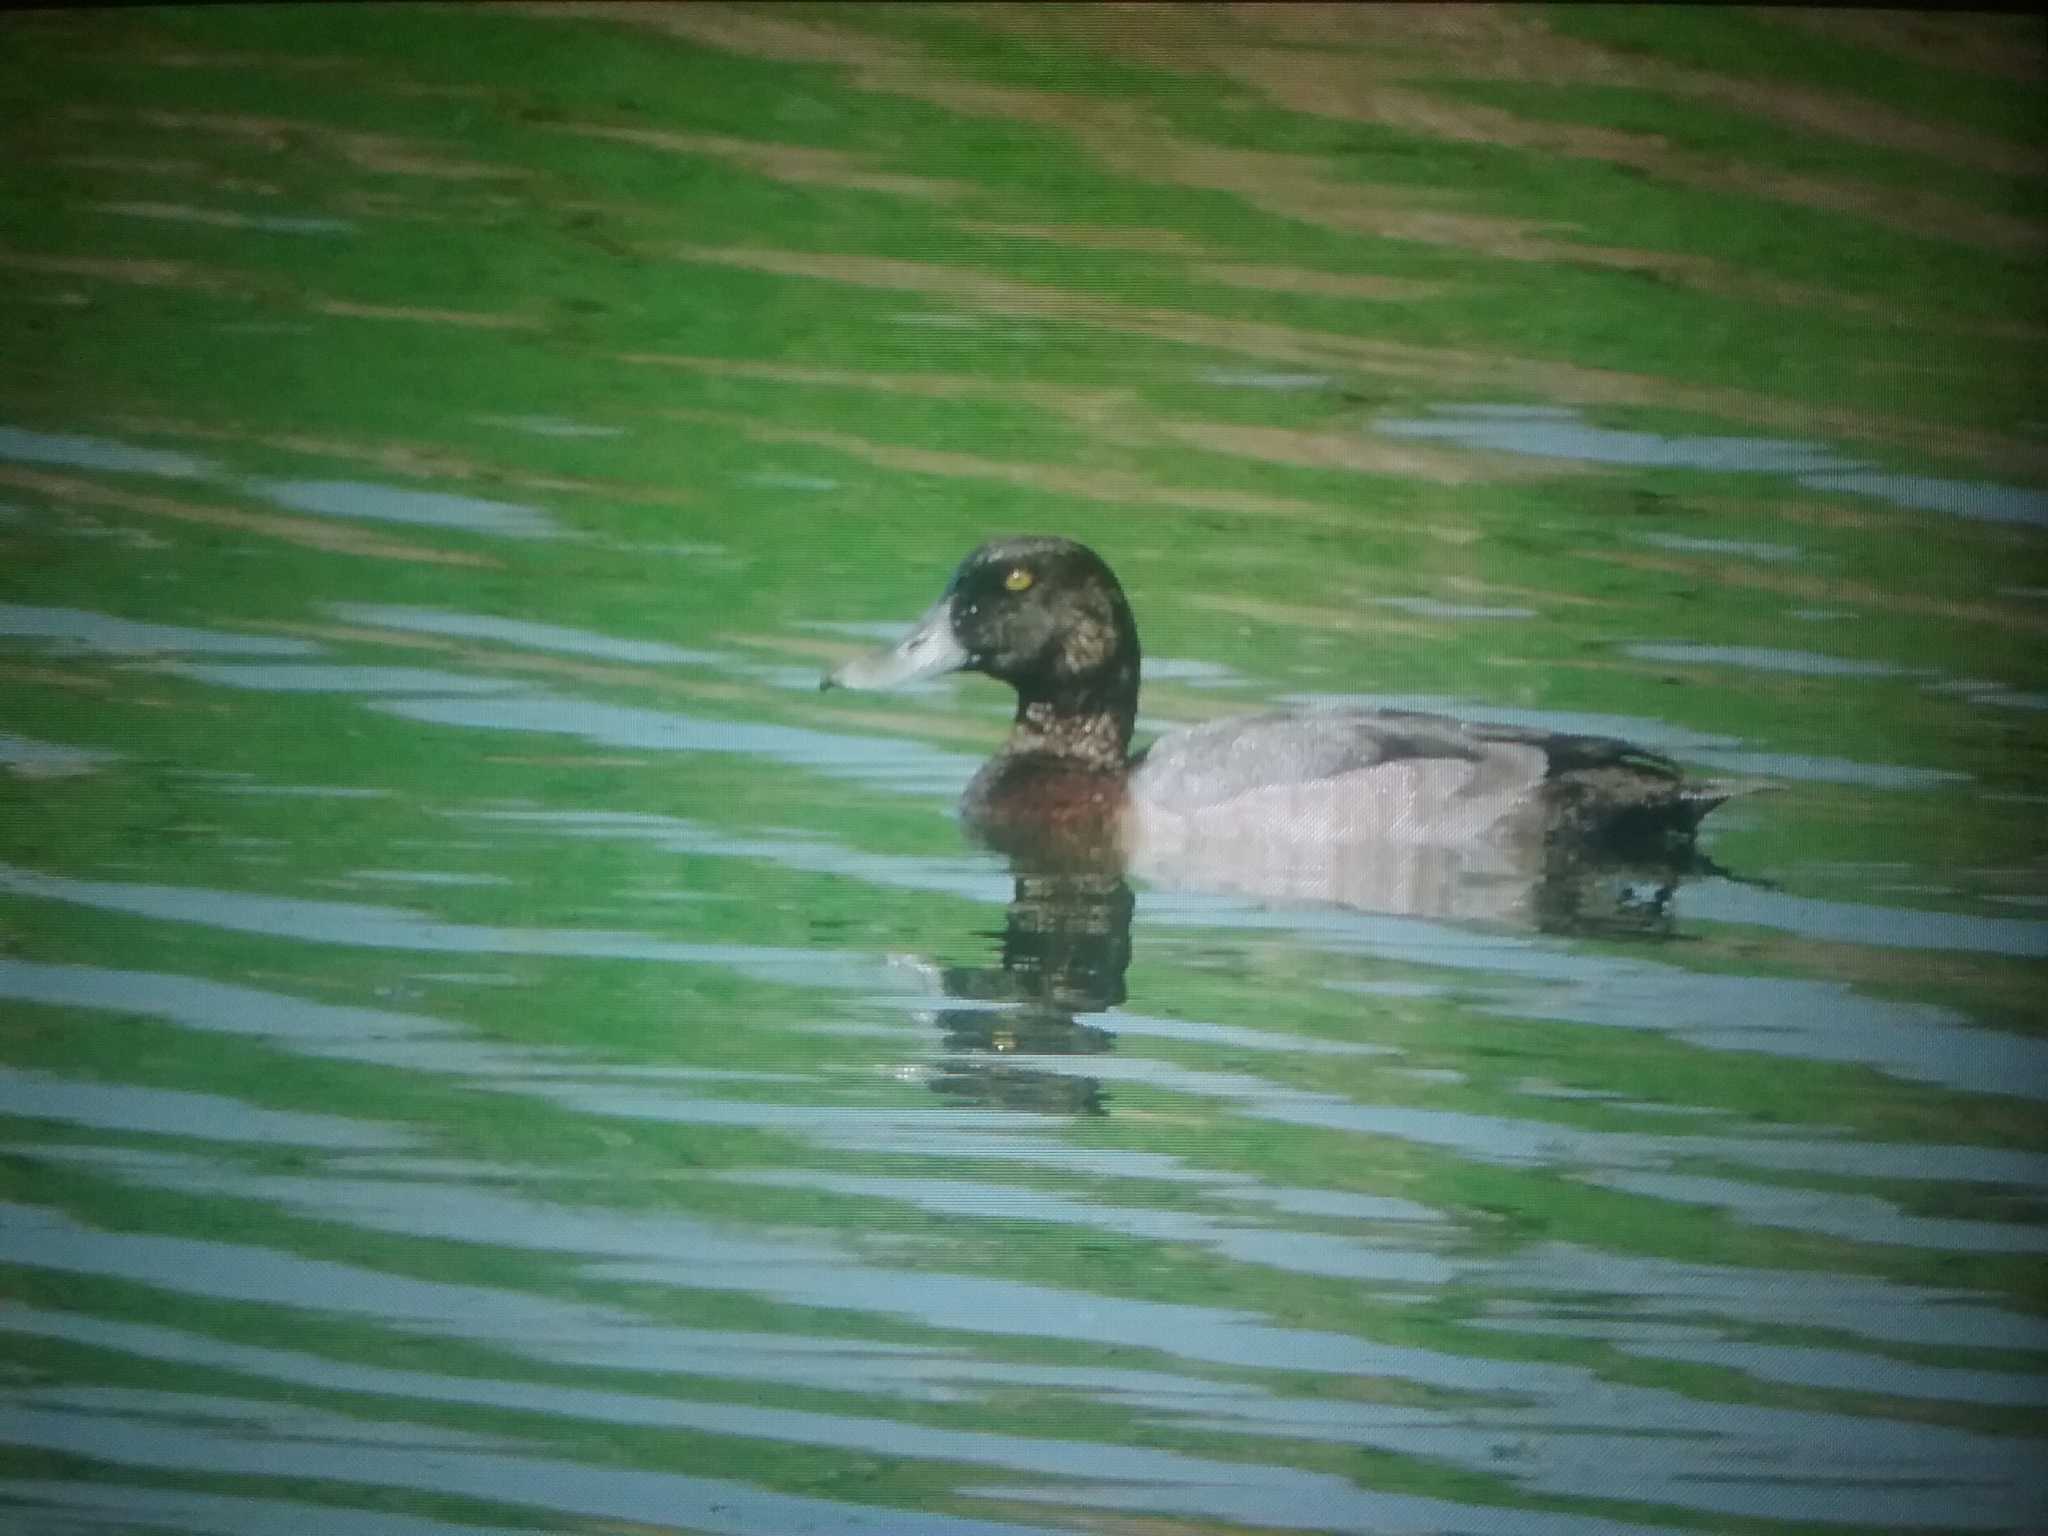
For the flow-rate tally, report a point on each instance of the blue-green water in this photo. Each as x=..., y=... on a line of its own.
x=488, y=1047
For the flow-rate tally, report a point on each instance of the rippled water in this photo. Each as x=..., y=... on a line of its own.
x=489, y=1048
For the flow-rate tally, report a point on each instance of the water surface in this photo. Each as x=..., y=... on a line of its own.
x=488, y=1048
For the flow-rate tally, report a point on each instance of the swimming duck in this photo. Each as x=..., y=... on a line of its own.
x=1281, y=792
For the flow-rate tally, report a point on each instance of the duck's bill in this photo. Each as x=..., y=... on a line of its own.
x=927, y=651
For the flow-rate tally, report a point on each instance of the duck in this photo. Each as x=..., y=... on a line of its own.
x=1309, y=801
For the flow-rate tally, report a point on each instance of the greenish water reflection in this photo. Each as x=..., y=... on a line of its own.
x=488, y=1048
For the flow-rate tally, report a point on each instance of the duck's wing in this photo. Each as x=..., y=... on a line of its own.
x=1440, y=770
x=1604, y=786
x=1225, y=760
x=1383, y=812
x=1570, y=754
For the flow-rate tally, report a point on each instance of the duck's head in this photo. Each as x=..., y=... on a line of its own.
x=1047, y=617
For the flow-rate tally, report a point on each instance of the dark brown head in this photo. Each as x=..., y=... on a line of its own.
x=1047, y=617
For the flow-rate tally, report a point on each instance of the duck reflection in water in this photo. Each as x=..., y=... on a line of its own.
x=1064, y=948
x=1378, y=810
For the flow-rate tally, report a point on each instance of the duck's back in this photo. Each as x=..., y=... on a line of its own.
x=1391, y=811
x=1336, y=776
x=1401, y=777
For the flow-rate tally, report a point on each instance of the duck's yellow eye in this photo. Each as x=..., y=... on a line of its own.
x=1018, y=579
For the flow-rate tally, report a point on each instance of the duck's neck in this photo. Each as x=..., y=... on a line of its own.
x=1087, y=726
